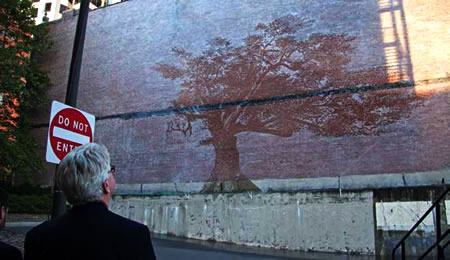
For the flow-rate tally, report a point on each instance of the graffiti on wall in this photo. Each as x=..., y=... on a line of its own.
x=279, y=81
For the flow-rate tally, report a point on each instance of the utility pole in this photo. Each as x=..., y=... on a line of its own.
x=59, y=201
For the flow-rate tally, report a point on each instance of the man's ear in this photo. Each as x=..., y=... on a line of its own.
x=105, y=187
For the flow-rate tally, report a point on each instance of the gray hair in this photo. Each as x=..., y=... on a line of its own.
x=81, y=173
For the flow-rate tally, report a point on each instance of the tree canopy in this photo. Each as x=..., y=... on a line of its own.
x=22, y=86
x=279, y=59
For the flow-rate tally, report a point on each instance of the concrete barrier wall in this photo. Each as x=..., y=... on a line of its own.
x=327, y=222
x=360, y=222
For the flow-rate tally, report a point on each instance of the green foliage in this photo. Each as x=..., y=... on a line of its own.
x=30, y=204
x=28, y=188
x=29, y=199
x=22, y=86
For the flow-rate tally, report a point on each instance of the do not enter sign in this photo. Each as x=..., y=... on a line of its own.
x=69, y=128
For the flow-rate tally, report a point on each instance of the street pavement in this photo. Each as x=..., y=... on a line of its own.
x=169, y=248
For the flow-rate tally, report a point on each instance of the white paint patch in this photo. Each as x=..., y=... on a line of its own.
x=146, y=216
x=176, y=215
x=447, y=209
x=357, y=98
x=401, y=216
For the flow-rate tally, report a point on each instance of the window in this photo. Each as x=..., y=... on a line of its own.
x=62, y=8
x=48, y=7
x=97, y=3
x=34, y=12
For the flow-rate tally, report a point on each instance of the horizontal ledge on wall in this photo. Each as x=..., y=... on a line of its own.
x=423, y=85
x=354, y=182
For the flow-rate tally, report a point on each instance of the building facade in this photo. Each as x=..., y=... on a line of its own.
x=51, y=10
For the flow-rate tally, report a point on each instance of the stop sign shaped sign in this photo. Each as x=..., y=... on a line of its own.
x=69, y=128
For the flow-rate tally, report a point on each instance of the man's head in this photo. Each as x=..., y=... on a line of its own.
x=84, y=175
x=3, y=207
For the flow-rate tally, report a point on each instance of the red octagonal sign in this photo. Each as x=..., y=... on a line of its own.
x=69, y=128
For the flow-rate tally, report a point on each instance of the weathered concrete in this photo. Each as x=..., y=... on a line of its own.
x=397, y=210
x=401, y=216
x=317, y=221
x=251, y=218
x=394, y=220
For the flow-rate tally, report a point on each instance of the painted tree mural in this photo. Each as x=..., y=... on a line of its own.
x=274, y=62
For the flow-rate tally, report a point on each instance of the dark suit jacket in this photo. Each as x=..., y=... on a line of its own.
x=8, y=252
x=87, y=232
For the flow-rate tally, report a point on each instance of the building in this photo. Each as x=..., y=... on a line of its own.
x=50, y=10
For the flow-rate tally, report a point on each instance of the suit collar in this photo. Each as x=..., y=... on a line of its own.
x=90, y=206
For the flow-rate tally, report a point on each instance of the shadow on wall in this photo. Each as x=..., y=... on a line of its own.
x=395, y=40
x=276, y=83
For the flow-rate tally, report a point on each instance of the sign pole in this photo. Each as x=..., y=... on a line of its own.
x=77, y=55
x=59, y=201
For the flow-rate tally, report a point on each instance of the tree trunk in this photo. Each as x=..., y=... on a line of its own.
x=226, y=175
x=227, y=165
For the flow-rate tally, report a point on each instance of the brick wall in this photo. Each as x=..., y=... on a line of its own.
x=375, y=74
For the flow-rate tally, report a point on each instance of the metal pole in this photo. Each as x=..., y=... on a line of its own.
x=438, y=231
x=403, y=251
x=77, y=55
x=59, y=201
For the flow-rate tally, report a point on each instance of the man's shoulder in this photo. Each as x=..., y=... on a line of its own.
x=46, y=226
x=107, y=218
x=4, y=247
x=124, y=222
x=9, y=251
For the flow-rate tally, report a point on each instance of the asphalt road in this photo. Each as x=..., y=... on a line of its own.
x=169, y=248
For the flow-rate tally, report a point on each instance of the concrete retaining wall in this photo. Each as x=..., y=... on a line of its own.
x=358, y=221
x=328, y=222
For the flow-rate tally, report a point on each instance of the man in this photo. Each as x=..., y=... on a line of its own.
x=89, y=230
x=7, y=252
